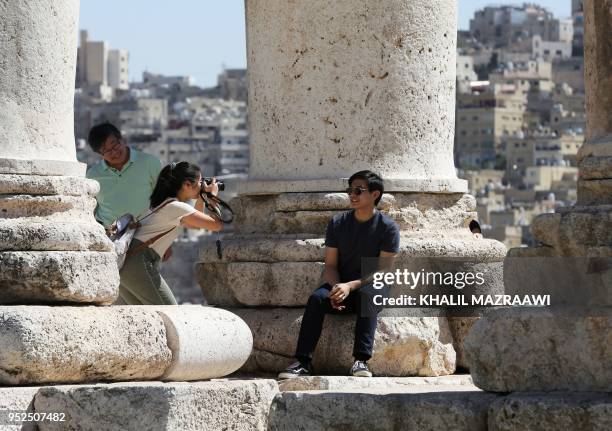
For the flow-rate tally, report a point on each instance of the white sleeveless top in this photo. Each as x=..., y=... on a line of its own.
x=169, y=217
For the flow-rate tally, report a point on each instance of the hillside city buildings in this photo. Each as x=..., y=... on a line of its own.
x=520, y=113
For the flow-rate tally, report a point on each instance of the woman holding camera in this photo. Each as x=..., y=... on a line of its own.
x=178, y=183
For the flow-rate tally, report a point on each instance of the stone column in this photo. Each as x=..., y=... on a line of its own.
x=51, y=248
x=595, y=156
x=336, y=87
x=53, y=251
x=566, y=347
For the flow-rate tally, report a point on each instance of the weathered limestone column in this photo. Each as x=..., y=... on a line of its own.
x=51, y=248
x=569, y=347
x=334, y=88
x=337, y=87
x=52, y=251
x=595, y=156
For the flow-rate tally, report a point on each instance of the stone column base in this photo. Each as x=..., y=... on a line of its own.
x=275, y=259
x=51, y=248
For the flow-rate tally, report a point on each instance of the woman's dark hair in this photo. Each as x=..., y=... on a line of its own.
x=374, y=181
x=171, y=179
x=100, y=133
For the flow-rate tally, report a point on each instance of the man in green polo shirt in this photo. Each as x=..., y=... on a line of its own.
x=126, y=176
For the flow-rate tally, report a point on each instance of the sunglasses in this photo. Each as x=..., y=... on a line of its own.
x=356, y=190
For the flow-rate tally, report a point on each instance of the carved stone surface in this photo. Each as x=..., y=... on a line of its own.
x=282, y=284
x=37, y=83
x=403, y=346
x=30, y=277
x=552, y=411
x=206, y=342
x=526, y=349
x=380, y=410
x=299, y=213
x=81, y=344
x=207, y=406
x=366, y=88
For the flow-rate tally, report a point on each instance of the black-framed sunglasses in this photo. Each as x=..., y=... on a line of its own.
x=357, y=190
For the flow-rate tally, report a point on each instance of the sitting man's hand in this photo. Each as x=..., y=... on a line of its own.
x=338, y=294
x=167, y=255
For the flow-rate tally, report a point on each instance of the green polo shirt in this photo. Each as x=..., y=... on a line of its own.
x=127, y=190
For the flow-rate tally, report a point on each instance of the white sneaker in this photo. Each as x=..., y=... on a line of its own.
x=360, y=369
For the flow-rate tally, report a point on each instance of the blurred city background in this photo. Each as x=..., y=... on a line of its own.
x=173, y=78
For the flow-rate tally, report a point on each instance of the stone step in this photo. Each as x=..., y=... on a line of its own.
x=369, y=410
x=152, y=406
x=92, y=344
x=446, y=403
x=347, y=383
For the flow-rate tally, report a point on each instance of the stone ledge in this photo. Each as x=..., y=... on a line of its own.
x=47, y=185
x=552, y=411
x=54, y=208
x=154, y=406
x=20, y=234
x=295, y=213
x=42, y=167
x=461, y=382
x=448, y=244
x=364, y=410
x=58, y=276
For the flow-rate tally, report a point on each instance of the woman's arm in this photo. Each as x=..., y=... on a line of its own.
x=199, y=220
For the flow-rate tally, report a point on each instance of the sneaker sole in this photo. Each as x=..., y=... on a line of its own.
x=284, y=376
x=362, y=374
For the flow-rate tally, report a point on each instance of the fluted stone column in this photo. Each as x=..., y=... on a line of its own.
x=567, y=347
x=337, y=87
x=51, y=248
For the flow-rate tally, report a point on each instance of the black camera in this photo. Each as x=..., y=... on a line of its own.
x=220, y=184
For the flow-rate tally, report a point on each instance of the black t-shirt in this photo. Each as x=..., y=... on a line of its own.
x=355, y=240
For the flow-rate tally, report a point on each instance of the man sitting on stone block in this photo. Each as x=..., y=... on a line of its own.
x=126, y=176
x=362, y=232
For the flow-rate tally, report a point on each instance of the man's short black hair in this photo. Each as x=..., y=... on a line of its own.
x=375, y=182
x=100, y=133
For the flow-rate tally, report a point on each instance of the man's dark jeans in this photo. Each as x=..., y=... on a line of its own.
x=319, y=304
